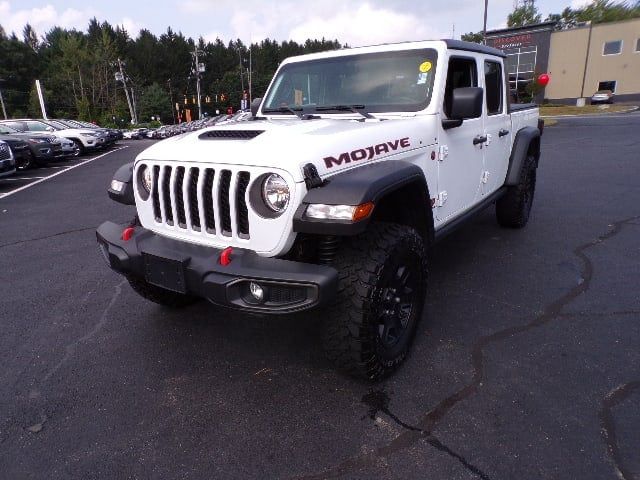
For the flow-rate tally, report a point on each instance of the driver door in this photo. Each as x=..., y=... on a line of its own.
x=460, y=164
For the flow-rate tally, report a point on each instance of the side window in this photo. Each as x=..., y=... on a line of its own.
x=36, y=127
x=493, y=87
x=462, y=72
x=17, y=125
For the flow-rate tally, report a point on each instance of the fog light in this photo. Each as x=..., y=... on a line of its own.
x=257, y=291
x=117, y=186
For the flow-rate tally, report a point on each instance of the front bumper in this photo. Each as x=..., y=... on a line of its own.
x=7, y=167
x=196, y=270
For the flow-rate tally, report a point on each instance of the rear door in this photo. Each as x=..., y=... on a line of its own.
x=461, y=161
x=497, y=127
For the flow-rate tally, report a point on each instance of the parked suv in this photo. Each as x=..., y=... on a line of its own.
x=41, y=148
x=355, y=163
x=84, y=139
x=7, y=163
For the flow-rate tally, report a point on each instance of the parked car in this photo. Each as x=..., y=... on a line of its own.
x=85, y=139
x=334, y=204
x=602, y=96
x=42, y=148
x=7, y=163
x=113, y=134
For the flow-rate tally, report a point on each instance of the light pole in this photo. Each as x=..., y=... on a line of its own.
x=4, y=110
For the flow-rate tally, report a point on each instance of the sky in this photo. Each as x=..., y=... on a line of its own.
x=364, y=22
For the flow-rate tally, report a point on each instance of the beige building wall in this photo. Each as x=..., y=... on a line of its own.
x=567, y=56
x=568, y=53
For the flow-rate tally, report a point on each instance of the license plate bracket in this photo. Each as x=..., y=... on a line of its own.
x=165, y=272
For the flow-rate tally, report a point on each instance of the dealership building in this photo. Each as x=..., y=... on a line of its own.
x=580, y=60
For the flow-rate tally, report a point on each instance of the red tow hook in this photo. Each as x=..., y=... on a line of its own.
x=127, y=233
x=225, y=256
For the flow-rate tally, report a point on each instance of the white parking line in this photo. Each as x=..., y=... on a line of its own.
x=24, y=187
x=22, y=178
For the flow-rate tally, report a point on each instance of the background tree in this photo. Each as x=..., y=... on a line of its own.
x=476, y=37
x=524, y=13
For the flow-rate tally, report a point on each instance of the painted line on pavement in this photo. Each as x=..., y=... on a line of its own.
x=5, y=195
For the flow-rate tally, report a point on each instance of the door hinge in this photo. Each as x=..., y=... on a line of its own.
x=443, y=152
x=441, y=199
x=485, y=177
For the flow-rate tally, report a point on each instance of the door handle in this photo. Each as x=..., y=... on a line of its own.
x=503, y=132
x=479, y=139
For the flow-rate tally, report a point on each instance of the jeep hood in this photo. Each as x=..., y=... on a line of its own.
x=332, y=145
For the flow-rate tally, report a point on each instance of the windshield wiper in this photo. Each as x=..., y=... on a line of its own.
x=345, y=108
x=286, y=109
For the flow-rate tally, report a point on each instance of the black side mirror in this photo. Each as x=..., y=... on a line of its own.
x=255, y=106
x=466, y=103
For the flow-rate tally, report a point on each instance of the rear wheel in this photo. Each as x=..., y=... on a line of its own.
x=514, y=208
x=369, y=329
x=160, y=295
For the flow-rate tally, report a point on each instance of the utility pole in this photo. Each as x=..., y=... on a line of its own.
x=197, y=70
x=250, y=97
x=121, y=77
x=484, y=28
x=4, y=110
x=241, y=77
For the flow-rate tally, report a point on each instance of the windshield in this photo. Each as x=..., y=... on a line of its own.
x=58, y=125
x=376, y=82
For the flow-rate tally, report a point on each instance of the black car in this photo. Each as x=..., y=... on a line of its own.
x=31, y=149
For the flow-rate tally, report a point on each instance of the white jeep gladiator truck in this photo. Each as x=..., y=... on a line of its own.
x=354, y=163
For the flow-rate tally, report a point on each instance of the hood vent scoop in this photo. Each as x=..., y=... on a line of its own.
x=230, y=134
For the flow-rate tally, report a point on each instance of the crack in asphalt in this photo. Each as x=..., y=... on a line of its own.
x=427, y=423
x=66, y=232
x=378, y=401
x=48, y=236
x=608, y=430
x=71, y=348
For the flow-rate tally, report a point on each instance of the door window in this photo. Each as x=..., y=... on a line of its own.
x=493, y=87
x=36, y=126
x=462, y=72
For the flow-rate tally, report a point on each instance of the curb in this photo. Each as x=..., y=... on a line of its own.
x=629, y=110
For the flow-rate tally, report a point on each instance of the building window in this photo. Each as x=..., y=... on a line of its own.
x=612, y=48
x=638, y=45
x=608, y=85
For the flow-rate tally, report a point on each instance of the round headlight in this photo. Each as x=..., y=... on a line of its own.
x=275, y=193
x=145, y=177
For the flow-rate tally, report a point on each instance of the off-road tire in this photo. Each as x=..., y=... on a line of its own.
x=160, y=295
x=367, y=265
x=514, y=207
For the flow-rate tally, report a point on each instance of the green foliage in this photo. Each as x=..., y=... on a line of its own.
x=598, y=11
x=476, y=37
x=77, y=71
x=525, y=13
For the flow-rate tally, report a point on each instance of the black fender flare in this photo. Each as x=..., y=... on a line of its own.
x=523, y=139
x=368, y=183
x=125, y=175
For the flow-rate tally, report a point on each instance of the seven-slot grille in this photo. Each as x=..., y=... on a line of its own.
x=207, y=200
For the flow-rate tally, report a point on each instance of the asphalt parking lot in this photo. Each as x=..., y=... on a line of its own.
x=526, y=366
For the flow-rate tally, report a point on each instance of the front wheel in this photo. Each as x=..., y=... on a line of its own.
x=78, y=148
x=381, y=292
x=25, y=162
